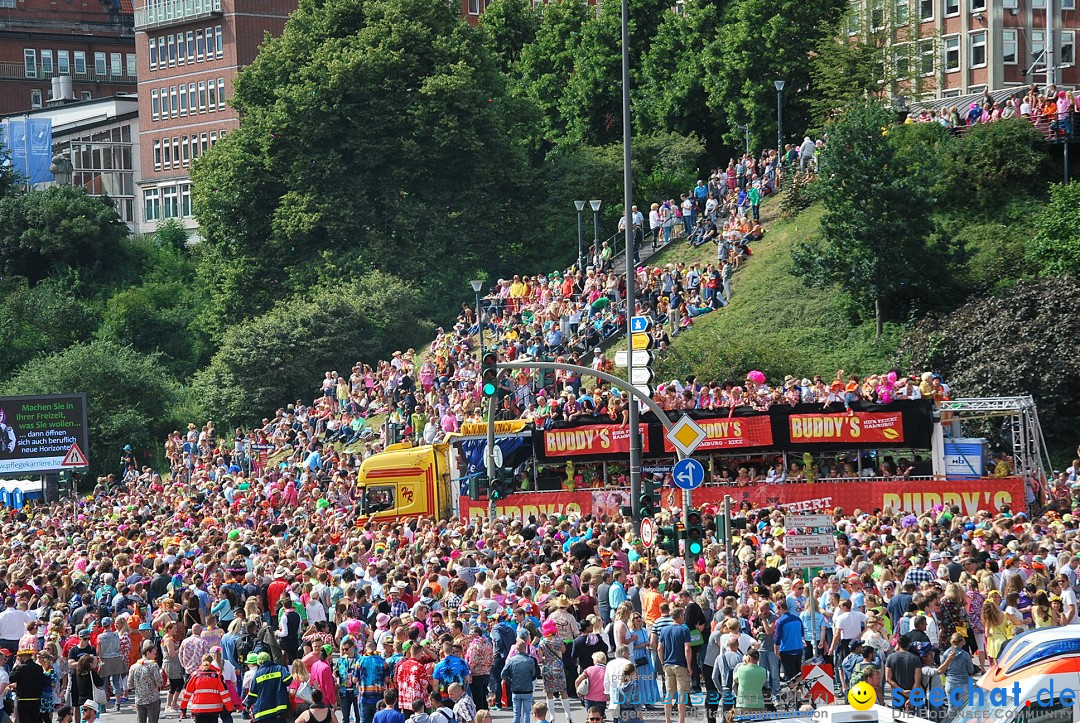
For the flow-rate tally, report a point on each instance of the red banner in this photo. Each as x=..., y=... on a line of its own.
x=592, y=439
x=734, y=432
x=907, y=497
x=846, y=427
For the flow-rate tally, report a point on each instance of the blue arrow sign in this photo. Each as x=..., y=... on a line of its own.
x=639, y=324
x=688, y=473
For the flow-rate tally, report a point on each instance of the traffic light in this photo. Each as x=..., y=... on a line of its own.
x=667, y=537
x=502, y=485
x=478, y=487
x=695, y=534
x=489, y=374
x=648, y=500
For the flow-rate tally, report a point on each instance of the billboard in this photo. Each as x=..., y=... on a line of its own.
x=41, y=434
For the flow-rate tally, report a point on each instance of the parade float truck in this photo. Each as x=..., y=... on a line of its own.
x=907, y=456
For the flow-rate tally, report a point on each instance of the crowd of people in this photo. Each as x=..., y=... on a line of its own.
x=1050, y=109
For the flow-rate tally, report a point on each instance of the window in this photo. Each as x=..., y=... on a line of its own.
x=1055, y=712
x=378, y=498
x=191, y=98
x=46, y=63
x=183, y=102
x=86, y=95
x=474, y=7
x=203, y=144
x=219, y=41
x=7, y=3
x=221, y=93
x=190, y=46
x=132, y=64
x=854, y=19
x=176, y=151
x=63, y=62
x=952, y=7
x=1008, y=47
x=903, y=12
x=926, y=57
x=978, y=49
x=164, y=102
x=157, y=155
x=155, y=105
x=213, y=137
x=211, y=88
x=978, y=6
x=200, y=45
x=80, y=62
x=180, y=57
x=100, y=67
x=185, y=152
x=1038, y=4
x=901, y=60
x=174, y=104
x=1038, y=43
x=152, y=204
x=1067, y=4
x=116, y=64
x=153, y=53
x=202, y=96
x=185, y=200
x=35, y=99
x=926, y=9
x=166, y=153
x=172, y=49
x=877, y=15
x=1068, y=47
x=169, y=206
x=30, y=63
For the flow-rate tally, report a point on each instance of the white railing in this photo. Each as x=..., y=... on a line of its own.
x=158, y=13
x=10, y=70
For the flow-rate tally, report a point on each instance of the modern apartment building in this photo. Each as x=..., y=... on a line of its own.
x=189, y=52
x=951, y=48
x=92, y=42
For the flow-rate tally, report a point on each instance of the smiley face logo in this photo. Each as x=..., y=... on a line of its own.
x=862, y=696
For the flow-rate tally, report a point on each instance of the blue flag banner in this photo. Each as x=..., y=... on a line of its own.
x=29, y=145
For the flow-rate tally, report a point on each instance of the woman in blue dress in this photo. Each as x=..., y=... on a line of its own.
x=648, y=692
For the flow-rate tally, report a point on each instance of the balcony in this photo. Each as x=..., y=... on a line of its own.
x=162, y=13
x=18, y=71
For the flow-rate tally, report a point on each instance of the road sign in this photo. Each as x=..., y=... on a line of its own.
x=639, y=323
x=806, y=522
x=640, y=358
x=806, y=561
x=644, y=389
x=688, y=473
x=686, y=435
x=640, y=375
x=802, y=542
x=641, y=341
x=74, y=457
x=819, y=676
x=648, y=532
x=497, y=455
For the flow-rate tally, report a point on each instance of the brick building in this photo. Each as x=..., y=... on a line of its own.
x=189, y=52
x=91, y=41
x=963, y=47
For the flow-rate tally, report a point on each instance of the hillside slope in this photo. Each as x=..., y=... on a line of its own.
x=775, y=323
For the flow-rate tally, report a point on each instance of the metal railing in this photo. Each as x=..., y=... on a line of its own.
x=159, y=13
x=19, y=71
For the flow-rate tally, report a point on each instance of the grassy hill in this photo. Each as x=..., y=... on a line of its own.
x=775, y=323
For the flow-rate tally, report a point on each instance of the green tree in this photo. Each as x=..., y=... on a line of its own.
x=994, y=159
x=59, y=228
x=756, y=43
x=282, y=353
x=40, y=319
x=171, y=232
x=130, y=397
x=873, y=234
x=547, y=64
x=508, y=26
x=10, y=178
x=1055, y=248
x=372, y=129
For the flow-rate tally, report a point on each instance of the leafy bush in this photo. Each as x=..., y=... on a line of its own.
x=40, y=319
x=799, y=194
x=1055, y=248
x=994, y=159
x=1016, y=342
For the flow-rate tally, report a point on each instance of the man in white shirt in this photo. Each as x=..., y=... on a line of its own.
x=1068, y=600
x=13, y=624
x=848, y=625
x=613, y=673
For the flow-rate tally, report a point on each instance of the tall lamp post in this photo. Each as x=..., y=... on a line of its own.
x=580, y=206
x=595, y=225
x=779, y=117
x=477, y=285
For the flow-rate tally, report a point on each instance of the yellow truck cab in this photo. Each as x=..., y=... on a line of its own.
x=406, y=481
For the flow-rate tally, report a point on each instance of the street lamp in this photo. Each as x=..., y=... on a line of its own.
x=595, y=225
x=477, y=284
x=779, y=117
x=580, y=206
x=62, y=169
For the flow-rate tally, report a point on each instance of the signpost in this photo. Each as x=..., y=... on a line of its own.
x=648, y=532
x=688, y=474
x=810, y=542
x=640, y=358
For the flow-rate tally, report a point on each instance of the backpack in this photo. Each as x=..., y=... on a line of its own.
x=245, y=644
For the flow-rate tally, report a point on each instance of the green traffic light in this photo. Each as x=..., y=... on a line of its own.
x=489, y=389
x=695, y=547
